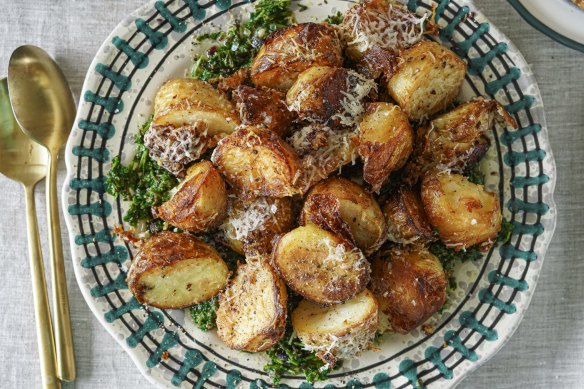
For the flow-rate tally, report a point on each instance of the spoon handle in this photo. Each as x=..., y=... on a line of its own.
x=62, y=320
x=44, y=328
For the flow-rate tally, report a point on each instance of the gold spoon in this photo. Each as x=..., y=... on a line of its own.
x=44, y=108
x=25, y=161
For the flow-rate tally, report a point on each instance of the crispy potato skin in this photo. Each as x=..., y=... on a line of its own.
x=409, y=284
x=427, y=80
x=166, y=250
x=455, y=138
x=251, y=226
x=201, y=202
x=345, y=208
x=258, y=163
x=340, y=331
x=252, y=311
x=386, y=141
x=321, y=266
x=464, y=214
x=406, y=219
x=290, y=51
x=263, y=107
x=368, y=19
x=183, y=101
x=320, y=93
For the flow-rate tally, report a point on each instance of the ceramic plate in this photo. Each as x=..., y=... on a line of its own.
x=561, y=20
x=153, y=45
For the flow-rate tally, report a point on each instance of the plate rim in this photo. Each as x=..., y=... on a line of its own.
x=136, y=358
x=541, y=27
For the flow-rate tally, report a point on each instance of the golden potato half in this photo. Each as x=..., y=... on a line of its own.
x=263, y=107
x=323, y=151
x=427, y=80
x=258, y=163
x=328, y=95
x=385, y=24
x=340, y=331
x=320, y=266
x=176, y=270
x=250, y=226
x=200, y=203
x=410, y=286
x=464, y=214
x=183, y=102
x=406, y=218
x=386, y=141
x=455, y=138
x=291, y=50
x=345, y=208
x=252, y=311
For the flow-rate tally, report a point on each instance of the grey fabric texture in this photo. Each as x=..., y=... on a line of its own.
x=546, y=351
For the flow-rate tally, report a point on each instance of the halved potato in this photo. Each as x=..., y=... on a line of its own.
x=385, y=24
x=328, y=95
x=323, y=152
x=291, y=50
x=176, y=270
x=190, y=116
x=258, y=163
x=252, y=311
x=427, y=80
x=410, y=286
x=345, y=208
x=340, y=331
x=200, y=203
x=406, y=219
x=251, y=226
x=320, y=266
x=263, y=107
x=456, y=138
x=385, y=142
x=463, y=213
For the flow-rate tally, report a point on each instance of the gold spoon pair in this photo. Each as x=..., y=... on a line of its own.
x=44, y=108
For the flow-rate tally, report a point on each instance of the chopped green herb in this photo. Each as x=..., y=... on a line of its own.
x=143, y=182
x=290, y=357
x=506, y=231
x=474, y=174
x=302, y=7
x=238, y=46
x=205, y=314
x=335, y=19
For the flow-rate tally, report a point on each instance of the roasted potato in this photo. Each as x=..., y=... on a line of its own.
x=263, y=107
x=385, y=24
x=339, y=331
x=258, y=163
x=332, y=96
x=406, y=219
x=252, y=311
x=410, y=286
x=456, y=138
x=200, y=202
x=190, y=116
x=291, y=50
x=323, y=151
x=463, y=213
x=345, y=208
x=251, y=225
x=176, y=270
x=385, y=142
x=321, y=266
x=427, y=79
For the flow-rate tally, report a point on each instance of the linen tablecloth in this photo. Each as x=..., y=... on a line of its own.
x=546, y=351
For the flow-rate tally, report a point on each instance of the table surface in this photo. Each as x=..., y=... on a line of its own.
x=546, y=351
